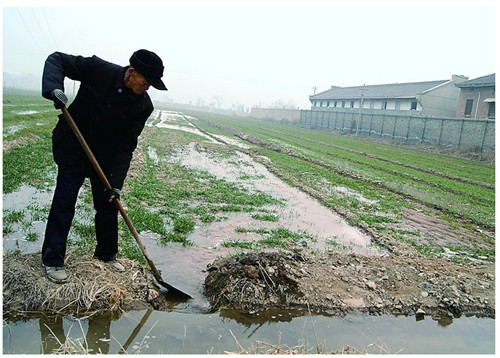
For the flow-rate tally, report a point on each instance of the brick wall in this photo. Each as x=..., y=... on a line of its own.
x=474, y=94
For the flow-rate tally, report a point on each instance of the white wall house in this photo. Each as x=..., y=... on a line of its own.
x=433, y=98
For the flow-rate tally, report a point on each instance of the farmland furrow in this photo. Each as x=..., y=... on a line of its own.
x=348, y=173
x=372, y=156
x=446, y=188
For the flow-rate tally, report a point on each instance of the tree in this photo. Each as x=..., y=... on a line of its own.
x=200, y=102
x=218, y=100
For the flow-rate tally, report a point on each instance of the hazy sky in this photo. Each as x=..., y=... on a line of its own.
x=259, y=54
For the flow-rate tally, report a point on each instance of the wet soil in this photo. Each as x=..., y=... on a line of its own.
x=391, y=278
x=340, y=283
x=398, y=280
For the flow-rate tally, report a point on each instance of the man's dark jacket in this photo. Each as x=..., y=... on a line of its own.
x=109, y=115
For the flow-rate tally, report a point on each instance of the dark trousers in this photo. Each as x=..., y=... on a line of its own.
x=70, y=178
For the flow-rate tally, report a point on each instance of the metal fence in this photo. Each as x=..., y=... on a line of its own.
x=476, y=135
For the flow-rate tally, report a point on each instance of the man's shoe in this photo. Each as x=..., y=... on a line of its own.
x=115, y=265
x=56, y=274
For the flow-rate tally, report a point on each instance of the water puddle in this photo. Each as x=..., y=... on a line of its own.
x=300, y=213
x=184, y=267
x=12, y=130
x=231, y=141
x=24, y=113
x=175, y=121
x=31, y=206
x=27, y=233
x=153, y=332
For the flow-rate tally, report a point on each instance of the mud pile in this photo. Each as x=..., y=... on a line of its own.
x=339, y=283
x=253, y=281
x=92, y=286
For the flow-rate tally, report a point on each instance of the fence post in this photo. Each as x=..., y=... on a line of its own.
x=361, y=123
x=408, y=130
x=311, y=117
x=394, y=129
x=440, y=132
x=423, y=132
x=461, y=130
x=382, y=129
x=484, y=135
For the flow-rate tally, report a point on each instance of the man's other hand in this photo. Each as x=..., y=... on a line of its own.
x=59, y=98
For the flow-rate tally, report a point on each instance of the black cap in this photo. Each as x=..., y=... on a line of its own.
x=149, y=65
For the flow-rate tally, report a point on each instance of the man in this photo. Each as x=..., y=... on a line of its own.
x=110, y=109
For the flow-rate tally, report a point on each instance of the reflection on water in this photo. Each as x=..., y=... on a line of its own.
x=53, y=336
x=154, y=332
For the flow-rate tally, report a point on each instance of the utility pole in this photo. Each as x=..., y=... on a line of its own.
x=360, y=108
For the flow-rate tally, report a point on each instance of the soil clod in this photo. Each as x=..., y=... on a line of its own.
x=339, y=283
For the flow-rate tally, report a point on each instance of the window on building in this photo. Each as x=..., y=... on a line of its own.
x=321, y=103
x=327, y=104
x=491, y=110
x=335, y=104
x=468, y=107
x=384, y=105
x=352, y=104
x=343, y=104
x=414, y=105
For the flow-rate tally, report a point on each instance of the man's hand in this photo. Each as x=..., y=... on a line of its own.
x=112, y=194
x=59, y=98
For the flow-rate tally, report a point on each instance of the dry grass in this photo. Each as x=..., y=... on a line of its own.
x=282, y=349
x=18, y=142
x=92, y=285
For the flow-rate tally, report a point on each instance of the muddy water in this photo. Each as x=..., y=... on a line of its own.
x=35, y=205
x=300, y=213
x=150, y=332
x=21, y=200
x=184, y=267
x=175, y=121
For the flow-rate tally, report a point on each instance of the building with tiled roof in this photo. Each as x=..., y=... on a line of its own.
x=433, y=98
x=477, y=98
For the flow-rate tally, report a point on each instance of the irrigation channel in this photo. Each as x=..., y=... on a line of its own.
x=192, y=327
